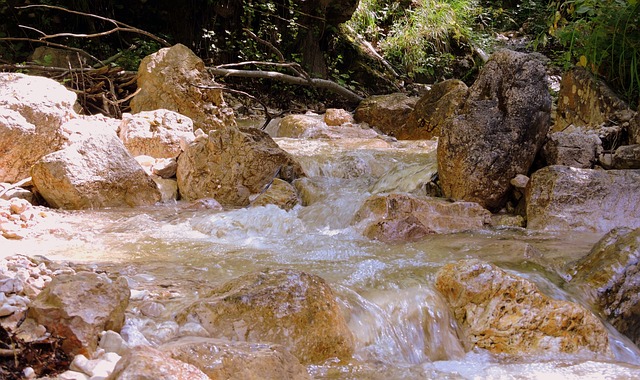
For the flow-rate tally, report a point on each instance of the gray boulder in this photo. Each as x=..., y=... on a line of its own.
x=387, y=113
x=578, y=150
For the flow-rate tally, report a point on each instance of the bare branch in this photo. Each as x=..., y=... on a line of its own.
x=295, y=67
x=53, y=44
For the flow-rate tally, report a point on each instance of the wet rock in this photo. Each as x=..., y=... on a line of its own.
x=584, y=101
x=578, y=150
x=294, y=309
x=94, y=172
x=78, y=307
x=434, y=109
x=296, y=126
x=168, y=78
x=610, y=276
x=165, y=168
x=280, y=193
x=498, y=132
x=387, y=113
x=337, y=116
x=626, y=157
x=159, y=133
x=32, y=109
x=168, y=188
x=504, y=313
x=225, y=360
x=232, y=164
x=560, y=198
x=405, y=217
x=144, y=362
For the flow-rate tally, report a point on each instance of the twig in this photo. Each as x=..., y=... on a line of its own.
x=49, y=43
x=298, y=69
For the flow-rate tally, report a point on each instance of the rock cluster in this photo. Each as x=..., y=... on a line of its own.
x=18, y=217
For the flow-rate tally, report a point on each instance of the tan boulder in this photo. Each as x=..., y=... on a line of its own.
x=294, y=309
x=405, y=217
x=296, y=126
x=498, y=132
x=610, y=275
x=337, y=116
x=159, y=133
x=504, y=313
x=147, y=363
x=94, y=172
x=79, y=307
x=560, y=198
x=32, y=109
x=226, y=360
x=232, y=164
x=387, y=113
x=168, y=79
x=434, y=109
x=280, y=193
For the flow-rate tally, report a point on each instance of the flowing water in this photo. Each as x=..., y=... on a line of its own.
x=402, y=326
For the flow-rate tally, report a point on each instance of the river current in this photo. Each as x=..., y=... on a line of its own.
x=403, y=328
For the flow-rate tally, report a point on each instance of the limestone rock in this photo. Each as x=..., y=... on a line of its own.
x=504, y=313
x=388, y=113
x=611, y=276
x=280, y=193
x=561, y=198
x=626, y=157
x=296, y=126
x=32, y=109
x=584, y=101
x=294, y=309
x=434, y=109
x=405, y=217
x=232, y=164
x=498, y=132
x=79, y=307
x=159, y=133
x=337, y=116
x=167, y=80
x=578, y=150
x=634, y=128
x=94, y=172
x=146, y=363
x=54, y=57
x=225, y=360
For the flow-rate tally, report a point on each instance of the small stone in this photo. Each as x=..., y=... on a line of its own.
x=72, y=375
x=29, y=373
x=112, y=342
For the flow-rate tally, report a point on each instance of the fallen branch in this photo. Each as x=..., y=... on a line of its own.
x=313, y=82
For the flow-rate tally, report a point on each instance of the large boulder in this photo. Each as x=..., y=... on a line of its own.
x=584, y=101
x=610, y=275
x=226, y=360
x=146, y=363
x=159, y=133
x=294, y=309
x=560, y=198
x=79, y=307
x=578, y=150
x=232, y=164
x=498, y=132
x=387, y=113
x=32, y=109
x=508, y=314
x=434, y=109
x=169, y=79
x=405, y=217
x=96, y=171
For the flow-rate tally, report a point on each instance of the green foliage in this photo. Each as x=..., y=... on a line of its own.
x=603, y=36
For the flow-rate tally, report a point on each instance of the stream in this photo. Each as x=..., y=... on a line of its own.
x=402, y=326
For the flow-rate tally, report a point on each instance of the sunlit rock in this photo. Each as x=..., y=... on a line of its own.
x=585, y=101
x=280, y=193
x=434, y=109
x=337, y=116
x=578, y=150
x=231, y=164
x=610, y=276
x=32, y=109
x=79, y=307
x=294, y=309
x=159, y=133
x=561, y=198
x=498, y=132
x=405, y=217
x=504, y=313
x=94, y=172
x=144, y=363
x=387, y=113
x=168, y=79
x=226, y=360
x=313, y=127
